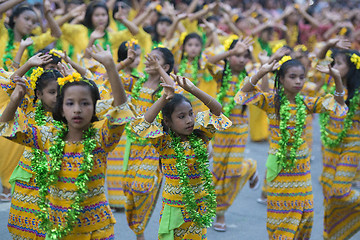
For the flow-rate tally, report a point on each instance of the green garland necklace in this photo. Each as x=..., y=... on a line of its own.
x=285, y=160
x=10, y=46
x=225, y=86
x=348, y=121
x=197, y=144
x=47, y=174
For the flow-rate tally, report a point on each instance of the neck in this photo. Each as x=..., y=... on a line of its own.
x=74, y=135
x=235, y=72
x=290, y=97
x=127, y=70
x=190, y=59
x=154, y=78
x=17, y=36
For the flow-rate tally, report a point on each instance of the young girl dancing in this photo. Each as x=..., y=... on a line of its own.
x=70, y=159
x=230, y=169
x=189, y=200
x=289, y=192
x=341, y=155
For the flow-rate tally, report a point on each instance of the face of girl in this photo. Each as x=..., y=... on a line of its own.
x=78, y=107
x=124, y=8
x=25, y=22
x=293, y=80
x=48, y=95
x=136, y=61
x=159, y=56
x=99, y=17
x=162, y=28
x=193, y=47
x=182, y=119
x=238, y=62
x=341, y=65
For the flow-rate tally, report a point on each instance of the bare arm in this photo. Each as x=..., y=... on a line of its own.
x=266, y=68
x=333, y=43
x=8, y=5
x=54, y=27
x=339, y=88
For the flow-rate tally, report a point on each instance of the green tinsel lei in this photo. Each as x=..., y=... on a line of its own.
x=285, y=159
x=197, y=144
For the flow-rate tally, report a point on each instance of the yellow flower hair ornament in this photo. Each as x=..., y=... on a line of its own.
x=301, y=48
x=283, y=60
x=131, y=43
x=56, y=52
x=158, y=8
x=229, y=41
x=343, y=31
x=36, y=73
x=75, y=77
x=355, y=59
x=277, y=47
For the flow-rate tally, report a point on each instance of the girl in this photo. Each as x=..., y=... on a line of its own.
x=189, y=200
x=76, y=149
x=289, y=191
x=21, y=23
x=192, y=66
x=341, y=156
x=162, y=26
x=231, y=171
x=142, y=179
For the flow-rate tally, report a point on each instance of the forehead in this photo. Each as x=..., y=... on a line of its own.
x=99, y=10
x=51, y=84
x=182, y=107
x=193, y=41
x=340, y=58
x=295, y=70
x=157, y=54
x=77, y=92
x=28, y=13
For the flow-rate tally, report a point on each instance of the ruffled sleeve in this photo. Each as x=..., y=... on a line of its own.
x=209, y=123
x=145, y=129
x=256, y=97
x=326, y=103
x=113, y=124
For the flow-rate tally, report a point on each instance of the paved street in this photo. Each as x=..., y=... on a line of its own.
x=246, y=219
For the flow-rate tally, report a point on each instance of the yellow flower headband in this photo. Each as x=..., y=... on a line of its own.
x=300, y=47
x=36, y=73
x=131, y=43
x=75, y=77
x=277, y=47
x=283, y=60
x=234, y=18
x=229, y=41
x=329, y=53
x=158, y=8
x=56, y=52
x=355, y=59
x=343, y=31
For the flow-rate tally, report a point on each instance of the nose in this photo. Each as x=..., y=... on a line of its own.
x=77, y=108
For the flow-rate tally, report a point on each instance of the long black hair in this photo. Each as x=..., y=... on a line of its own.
x=168, y=110
x=353, y=75
x=278, y=86
x=90, y=11
x=45, y=78
x=95, y=96
x=123, y=49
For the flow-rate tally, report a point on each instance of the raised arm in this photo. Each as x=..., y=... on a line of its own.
x=130, y=25
x=54, y=27
x=8, y=5
x=15, y=100
x=339, y=88
x=36, y=60
x=106, y=59
x=333, y=43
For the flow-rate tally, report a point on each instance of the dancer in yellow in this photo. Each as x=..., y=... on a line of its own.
x=189, y=200
x=230, y=169
x=289, y=192
x=76, y=149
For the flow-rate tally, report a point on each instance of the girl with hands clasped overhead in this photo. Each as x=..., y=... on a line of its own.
x=289, y=190
x=341, y=152
x=230, y=169
x=189, y=201
x=69, y=212
x=142, y=176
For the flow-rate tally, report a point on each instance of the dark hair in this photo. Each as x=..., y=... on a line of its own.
x=156, y=37
x=123, y=49
x=227, y=63
x=54, y=58
x=169, y=108
x=168, y=59
x=45, y=78
x=17, y=11
x=90, y=10
x=95, y=95
x=353, y=75
x=186, y=39
x=277, y=87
